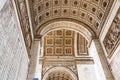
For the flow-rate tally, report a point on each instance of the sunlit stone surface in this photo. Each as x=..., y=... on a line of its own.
x=59, y=39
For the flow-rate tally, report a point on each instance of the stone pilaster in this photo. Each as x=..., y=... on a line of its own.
x=34, y=60
x=103, y=60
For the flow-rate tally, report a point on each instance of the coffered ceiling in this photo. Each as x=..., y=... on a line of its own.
x=46, y=14
x=59, y=75
x=92, y=13
x=63, y=42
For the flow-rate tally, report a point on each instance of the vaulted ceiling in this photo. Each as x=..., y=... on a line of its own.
x=92, y=13
x=59, y=75
x=84, y=15
x=64, y=42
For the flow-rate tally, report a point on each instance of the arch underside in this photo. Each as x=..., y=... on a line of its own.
x=64, y=42
x=67, y=25
x=59, y=73
x=89, y=13
x=85, y=17
x=70, y=20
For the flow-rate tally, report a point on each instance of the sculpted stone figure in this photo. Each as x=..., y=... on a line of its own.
x=116, y=29
x=23, y=8
x=113, y=35
x=112, y=38
x=26, y=25
x=108, y=44
x=28, y=40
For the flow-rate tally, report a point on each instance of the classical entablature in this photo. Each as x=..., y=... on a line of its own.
x=86, y=12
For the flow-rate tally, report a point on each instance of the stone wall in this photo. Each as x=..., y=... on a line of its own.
x=85, y=70
x=97, y=63
x=2, y=2
x=13, y=55
x=112, y=45
x=115, y=64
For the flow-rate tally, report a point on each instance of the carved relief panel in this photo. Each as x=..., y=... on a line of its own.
x=112, y=39
x=82, y=45
x=24, y=21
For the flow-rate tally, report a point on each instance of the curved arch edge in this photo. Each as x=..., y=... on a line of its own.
x=58, y=69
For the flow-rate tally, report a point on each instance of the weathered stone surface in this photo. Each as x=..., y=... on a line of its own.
x=115, y=64
x=2, y=2
x=85, y=70
x=13, y=54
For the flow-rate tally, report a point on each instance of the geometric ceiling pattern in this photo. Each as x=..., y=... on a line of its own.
x=59, y=75
x=63, y=42
x=89, y=12
x=24, y=22
x=59, y=43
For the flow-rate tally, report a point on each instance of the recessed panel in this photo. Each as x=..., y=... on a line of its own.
x=49, y=51
x=59, y=43
x=58, y=51
x=68, y=51
x=68, y=41
x=49, y=41
x=59, y=33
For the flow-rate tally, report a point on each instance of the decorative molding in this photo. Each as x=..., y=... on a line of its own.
x=82, y=45
x=71, y=65
x=24, y=21
x=60, y=73
x=69, y=26
x=84, y=60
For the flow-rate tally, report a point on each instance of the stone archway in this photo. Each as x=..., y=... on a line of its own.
x=67, y=25
x=63, y=73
